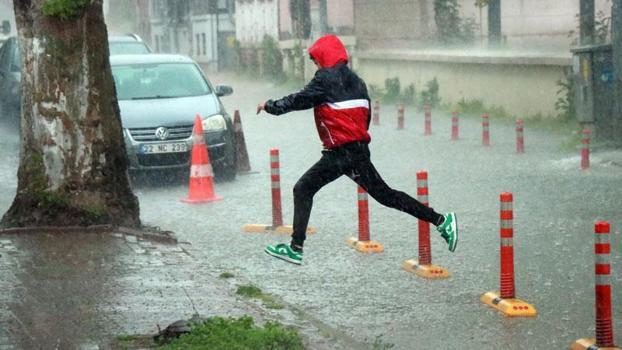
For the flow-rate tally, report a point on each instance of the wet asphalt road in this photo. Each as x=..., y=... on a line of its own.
x=369, y=296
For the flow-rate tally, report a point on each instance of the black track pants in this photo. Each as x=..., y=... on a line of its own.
x=352, y=160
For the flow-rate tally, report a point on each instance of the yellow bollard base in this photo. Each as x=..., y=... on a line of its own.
x=256, y=228
x=365, y=246
x=289, y=229
x=589, y=344
x=430, y=271
x=259, y=228
x=509, y=307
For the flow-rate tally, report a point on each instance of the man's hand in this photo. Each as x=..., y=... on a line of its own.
x=261, y=107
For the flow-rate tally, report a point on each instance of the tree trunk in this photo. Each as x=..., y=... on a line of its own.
x=73, y=165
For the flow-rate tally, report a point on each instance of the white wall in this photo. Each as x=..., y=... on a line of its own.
x=539, y=23
x=254, y=19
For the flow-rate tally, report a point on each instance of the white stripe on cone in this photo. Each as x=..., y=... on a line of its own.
x=202, y=170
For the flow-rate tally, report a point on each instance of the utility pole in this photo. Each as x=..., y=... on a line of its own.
x=494, y=23
x=616, y=43
x=586, y=22
x=323, y=17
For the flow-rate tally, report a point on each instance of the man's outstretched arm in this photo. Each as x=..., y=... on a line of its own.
x=313, y=94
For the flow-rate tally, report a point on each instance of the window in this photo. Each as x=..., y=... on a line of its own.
x=127, y=47
x=154, y=81
x=204, y=44
x=198, y=41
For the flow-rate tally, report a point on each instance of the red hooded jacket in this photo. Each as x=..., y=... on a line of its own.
x=339, y=97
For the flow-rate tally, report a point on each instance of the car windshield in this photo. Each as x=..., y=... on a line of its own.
x=165, y=80
x=127, y=47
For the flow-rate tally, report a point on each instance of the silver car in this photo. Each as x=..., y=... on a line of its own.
x=159, y=97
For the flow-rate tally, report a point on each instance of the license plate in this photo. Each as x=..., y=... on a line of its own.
x=163, y=148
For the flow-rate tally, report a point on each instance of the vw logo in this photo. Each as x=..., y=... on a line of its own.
x=161, y=133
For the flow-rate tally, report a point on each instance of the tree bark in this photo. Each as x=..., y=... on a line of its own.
x=73, y=165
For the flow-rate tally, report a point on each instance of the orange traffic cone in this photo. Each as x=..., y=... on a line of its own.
x=201, y=173
x=244, y=166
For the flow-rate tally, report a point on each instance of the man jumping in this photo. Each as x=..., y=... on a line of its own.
x=342, y=115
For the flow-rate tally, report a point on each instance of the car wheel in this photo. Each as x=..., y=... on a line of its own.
x=228, y=169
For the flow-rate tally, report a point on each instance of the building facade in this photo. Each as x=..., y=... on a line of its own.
x=198, y=28
x=256, y=19
x=549, y=25
x=295, y=24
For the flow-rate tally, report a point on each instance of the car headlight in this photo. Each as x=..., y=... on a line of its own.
x=214, y=123
x=15, y=89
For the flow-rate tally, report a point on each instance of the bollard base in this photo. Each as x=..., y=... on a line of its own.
x=365, y=246
x=259, y=228
x=429, y=271
x=509, y=307
x=589, y=344
x=289, y=229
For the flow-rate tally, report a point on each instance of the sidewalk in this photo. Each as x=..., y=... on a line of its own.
x=83, y=290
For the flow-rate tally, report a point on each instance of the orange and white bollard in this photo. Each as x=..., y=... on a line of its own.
x=423, y=266
x=275, y=182
x=400, y=116
x=485, y=130
x=505, y=300
x=585, y=149
x=427, y=108
x=277, y=213
x=376, y=114
x=364, y=244
x=602, y=288
x=454, y=126
x=520, y=137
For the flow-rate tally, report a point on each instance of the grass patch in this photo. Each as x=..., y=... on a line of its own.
x=380, y=344
x=565, y=126
x=571, y=143
x=270, y=303
x=219, y=333
x=126, y=338
x=252, y=292
x=475, y=108
x=226, y=275
x=127, y=342
x=249, y=291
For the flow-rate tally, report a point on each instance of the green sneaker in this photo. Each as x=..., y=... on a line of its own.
x=285, y=252
x=449, y=230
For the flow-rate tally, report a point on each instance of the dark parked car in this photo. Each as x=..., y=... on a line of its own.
x=127, y=45
x=159, y=97
x=10, y=68
x=10, y=79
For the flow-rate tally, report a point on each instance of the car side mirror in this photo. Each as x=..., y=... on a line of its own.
x=223, y=90
x=6, y=27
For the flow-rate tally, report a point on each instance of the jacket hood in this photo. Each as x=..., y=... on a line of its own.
x=328, y=50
